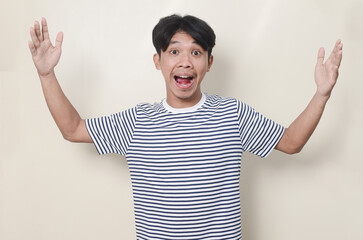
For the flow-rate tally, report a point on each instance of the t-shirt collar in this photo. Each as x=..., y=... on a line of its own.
x=184, y=110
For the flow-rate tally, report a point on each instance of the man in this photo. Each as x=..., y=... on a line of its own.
x=184, y=153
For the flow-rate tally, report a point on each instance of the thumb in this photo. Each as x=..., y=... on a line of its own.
x=321, y=55
x=59, y=40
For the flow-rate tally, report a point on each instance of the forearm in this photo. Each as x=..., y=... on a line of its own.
x=300, y=130
x=326, y=75
x=64, y=114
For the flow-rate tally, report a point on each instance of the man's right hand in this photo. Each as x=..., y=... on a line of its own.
x=45, y=55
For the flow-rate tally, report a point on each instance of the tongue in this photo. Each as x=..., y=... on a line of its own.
x=183, y=80
x=184, y=83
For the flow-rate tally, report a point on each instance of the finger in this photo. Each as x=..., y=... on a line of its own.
x=335, y=72
x=336, y=55
x=59, y=40
x=321, y=56
x=338, y=58
x=32, y=48
x=45, y=29
x=34, y=37
x=339, y=42
x=339, y=54
x=37, y=31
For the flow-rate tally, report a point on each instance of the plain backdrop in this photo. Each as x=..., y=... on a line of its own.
x=265, y=55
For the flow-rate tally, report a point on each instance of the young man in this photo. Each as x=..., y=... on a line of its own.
x=184, y=154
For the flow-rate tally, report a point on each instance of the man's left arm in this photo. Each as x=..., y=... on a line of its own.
x=326, y=75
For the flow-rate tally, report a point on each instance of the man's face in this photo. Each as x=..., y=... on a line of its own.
x=183, y=65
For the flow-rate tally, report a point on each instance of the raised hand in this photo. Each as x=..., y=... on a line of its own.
x=326, y=74
x=45, y=55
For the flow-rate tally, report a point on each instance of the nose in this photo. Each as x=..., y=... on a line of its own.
x=184, y=61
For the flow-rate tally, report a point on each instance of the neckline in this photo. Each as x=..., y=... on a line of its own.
x=184, y=110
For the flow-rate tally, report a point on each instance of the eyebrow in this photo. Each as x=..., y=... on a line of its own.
x=175, y=42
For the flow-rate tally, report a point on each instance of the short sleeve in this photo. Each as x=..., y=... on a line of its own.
x=112, y=134
x=259, y=135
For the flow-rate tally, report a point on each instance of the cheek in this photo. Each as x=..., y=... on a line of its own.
x=203, y=68
x=167, y=73
x=166, y=66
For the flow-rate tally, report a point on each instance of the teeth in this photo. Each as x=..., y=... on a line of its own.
x=184, y=76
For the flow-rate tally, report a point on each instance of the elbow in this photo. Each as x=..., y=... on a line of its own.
x=294, y=150
x=71, y=136
x=68, y=137
x=290, y=145
x=74, y=132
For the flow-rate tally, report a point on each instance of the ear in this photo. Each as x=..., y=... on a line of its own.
x=210, y=62
x=157, y=61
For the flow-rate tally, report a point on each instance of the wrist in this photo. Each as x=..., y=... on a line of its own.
x=322, y=98
x=45, y=76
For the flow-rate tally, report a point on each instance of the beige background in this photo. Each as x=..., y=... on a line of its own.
x=265, y=55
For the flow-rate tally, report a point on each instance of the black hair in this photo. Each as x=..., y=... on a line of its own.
x=198, y=29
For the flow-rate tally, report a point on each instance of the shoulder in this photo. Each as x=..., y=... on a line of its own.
x=218, y=101
x=149, y=112
x=149, y=108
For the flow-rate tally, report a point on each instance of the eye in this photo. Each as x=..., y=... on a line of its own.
x=196, y=53
x=174, y=51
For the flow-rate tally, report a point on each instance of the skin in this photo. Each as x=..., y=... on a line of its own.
x=326, y=75
x=182, y=58
x=46, y=57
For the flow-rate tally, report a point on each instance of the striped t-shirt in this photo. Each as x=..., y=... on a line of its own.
x=185, y=163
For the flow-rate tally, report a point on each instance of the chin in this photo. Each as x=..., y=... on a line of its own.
x=187, y=96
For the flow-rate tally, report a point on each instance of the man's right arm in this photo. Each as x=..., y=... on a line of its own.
x=45, y=57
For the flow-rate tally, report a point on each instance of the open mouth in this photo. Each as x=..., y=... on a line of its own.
x=184, y=81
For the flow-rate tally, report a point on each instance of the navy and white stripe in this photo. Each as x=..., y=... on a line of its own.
x=185, y=165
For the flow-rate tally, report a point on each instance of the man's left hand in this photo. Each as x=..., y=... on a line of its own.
x=326, y=74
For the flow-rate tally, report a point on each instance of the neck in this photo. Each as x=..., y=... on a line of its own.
x=177, y=102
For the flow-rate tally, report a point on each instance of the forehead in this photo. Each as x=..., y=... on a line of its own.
x=181, y=37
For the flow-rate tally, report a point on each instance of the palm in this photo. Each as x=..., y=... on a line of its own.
x=45, y=55
x=326, y=74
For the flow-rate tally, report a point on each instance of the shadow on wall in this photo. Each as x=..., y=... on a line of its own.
x=253, y=169
x=319, y=152
x=218, y=80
